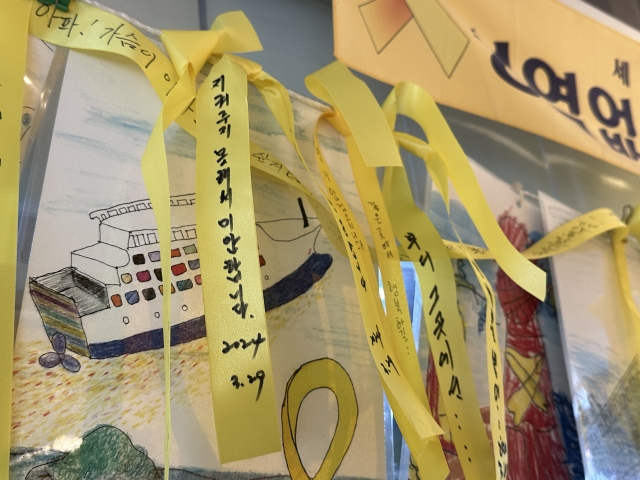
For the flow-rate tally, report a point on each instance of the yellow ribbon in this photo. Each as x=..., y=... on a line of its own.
x=398, y=319
x=422, y=243
x=242, y=385
x=14, y=23
x=414, y=419
x=413, y=102
x=321, y=373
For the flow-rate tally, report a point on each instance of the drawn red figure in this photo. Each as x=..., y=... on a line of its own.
x=536, y=450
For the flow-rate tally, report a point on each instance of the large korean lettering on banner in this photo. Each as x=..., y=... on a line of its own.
x=539, y=66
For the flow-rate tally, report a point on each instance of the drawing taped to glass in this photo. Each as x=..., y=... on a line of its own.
x=94, y=304
x=93, y=294
x=601, y=340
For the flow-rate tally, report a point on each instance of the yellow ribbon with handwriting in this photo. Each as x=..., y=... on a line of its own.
x=241, y=380
x=422, y=243
x=444, y=162
x=14, y=23
x=414, y=419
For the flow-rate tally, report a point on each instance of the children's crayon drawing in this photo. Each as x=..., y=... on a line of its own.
x=601, y=349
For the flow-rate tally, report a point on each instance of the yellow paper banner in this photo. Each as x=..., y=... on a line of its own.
x=539, y=66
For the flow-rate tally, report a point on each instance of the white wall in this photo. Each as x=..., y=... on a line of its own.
x=160, y=14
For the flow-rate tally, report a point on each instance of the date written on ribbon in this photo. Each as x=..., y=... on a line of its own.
x=242, y=386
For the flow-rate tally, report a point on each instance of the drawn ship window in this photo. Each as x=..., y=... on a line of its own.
x=158, y=273
x=194, y=264
x=138, y=259
x=122, y=210
x=184, y=284
x=154, y=256
x=132, y=297
x=190, y=249
x=149, y=294
x=198, y=279
x=141, y=206
x=140, y=240
x=191, y=233
x=175, y=252
x=143, y=276
x=178, y=269
x=117, y=300
x=161, y=288
x=152, y=238
x=178, y=235
x=126, y=278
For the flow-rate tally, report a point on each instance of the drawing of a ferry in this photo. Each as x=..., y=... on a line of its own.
x=109, y=301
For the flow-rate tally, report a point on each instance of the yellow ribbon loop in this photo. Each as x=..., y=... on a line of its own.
x=410, y=100
x=321, y=373
x=14, y=23
x=242, y=385
x=335, y=85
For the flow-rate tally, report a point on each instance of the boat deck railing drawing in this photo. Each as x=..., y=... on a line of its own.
x=109, y=301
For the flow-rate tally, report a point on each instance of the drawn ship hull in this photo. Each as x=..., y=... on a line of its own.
x=108, y=302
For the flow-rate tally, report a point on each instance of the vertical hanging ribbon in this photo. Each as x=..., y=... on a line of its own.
x=241, y=379
x=438, y=170
x=414, y=419
x=14, y=23
x=445, y=328
x=329, y=84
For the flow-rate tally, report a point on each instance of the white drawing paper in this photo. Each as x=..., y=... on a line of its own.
x=601, y=349
x=88, y=363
